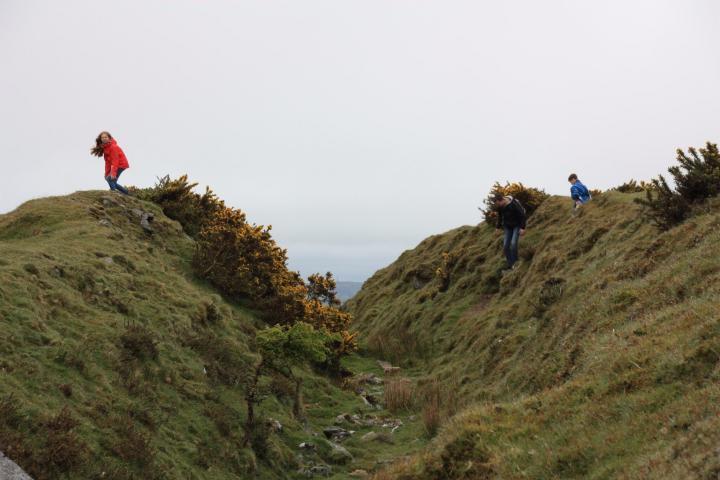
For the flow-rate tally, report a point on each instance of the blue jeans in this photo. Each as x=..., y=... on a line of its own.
x=113, y=182
x=510, y=245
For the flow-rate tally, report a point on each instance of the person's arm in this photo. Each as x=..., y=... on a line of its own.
x=523, y=217
x=498, y=223
x=575, y=193
x=114, y=161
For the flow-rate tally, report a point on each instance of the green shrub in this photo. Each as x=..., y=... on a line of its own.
x=139, y=343
x=225, y=362
x=698, y=175
x=47, y=449
x=208, y=314
x=64, y=450
x=132, y=445
x=696, y=179
x=464, y=457
x=666, y=207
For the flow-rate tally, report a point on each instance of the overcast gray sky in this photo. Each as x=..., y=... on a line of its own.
x=355, y=128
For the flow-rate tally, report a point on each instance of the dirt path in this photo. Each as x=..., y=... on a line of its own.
x=362, y=434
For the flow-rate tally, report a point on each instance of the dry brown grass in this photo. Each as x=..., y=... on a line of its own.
x=399, y=393
x=431, y=415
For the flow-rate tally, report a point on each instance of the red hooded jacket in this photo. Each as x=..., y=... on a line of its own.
x=114, y=158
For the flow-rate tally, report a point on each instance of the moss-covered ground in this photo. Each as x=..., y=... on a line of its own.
x=116, y=362
x=597, y=357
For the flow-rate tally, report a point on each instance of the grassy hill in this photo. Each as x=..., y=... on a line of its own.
x=598, y=357
x=116, y=362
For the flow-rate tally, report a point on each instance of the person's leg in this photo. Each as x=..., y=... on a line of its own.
x=506, y=245
x=514, y=243
x=119, y=187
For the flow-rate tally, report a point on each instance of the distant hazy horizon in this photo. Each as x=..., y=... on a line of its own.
x=355, y=128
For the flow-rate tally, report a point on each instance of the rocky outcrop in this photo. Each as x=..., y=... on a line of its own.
x=10, y=471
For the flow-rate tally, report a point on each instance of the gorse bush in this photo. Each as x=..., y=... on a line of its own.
x=530, y=198
x=179, y=202
x=698, y=175
x=632, y=186
x=666, y=207
x=243, y=261
x=696, y=178
x=322, y=288
x=442, y=273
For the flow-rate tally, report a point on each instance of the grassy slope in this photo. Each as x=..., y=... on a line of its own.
x=69, y=289
x=597, y=358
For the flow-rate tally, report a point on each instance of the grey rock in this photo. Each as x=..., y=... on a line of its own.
x=107, y=260
x=393, y=423
x=321, y=470
x=275, y=426
x=336, y=433
x=339, y=454
x=371, y=401
x=10, y=471
x=369, y=437
x=306, y=446
x=109, y=202
x=137, y=212
x=146, y=220
x=105, y=222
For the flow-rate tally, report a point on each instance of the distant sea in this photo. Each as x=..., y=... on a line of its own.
x=345, y=290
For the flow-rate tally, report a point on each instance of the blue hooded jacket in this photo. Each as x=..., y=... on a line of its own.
x=578, y=191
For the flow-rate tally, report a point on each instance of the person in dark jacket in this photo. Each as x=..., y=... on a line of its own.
x=579, y=192
x=512, y=218
x=115, y=160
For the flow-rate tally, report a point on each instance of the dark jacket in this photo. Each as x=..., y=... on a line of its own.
x=511, y=215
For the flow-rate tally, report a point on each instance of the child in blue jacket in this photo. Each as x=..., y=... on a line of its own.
x=579, y=192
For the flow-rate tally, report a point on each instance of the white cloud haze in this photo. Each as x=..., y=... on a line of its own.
x=356, y=128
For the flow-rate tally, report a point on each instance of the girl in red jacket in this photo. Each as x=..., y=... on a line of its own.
x=115, y=160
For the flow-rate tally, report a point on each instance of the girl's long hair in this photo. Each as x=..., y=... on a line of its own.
x=97, y=150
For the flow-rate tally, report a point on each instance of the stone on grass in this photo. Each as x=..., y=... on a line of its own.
x=369, y=437
x=336, y=433
x=339, y=454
